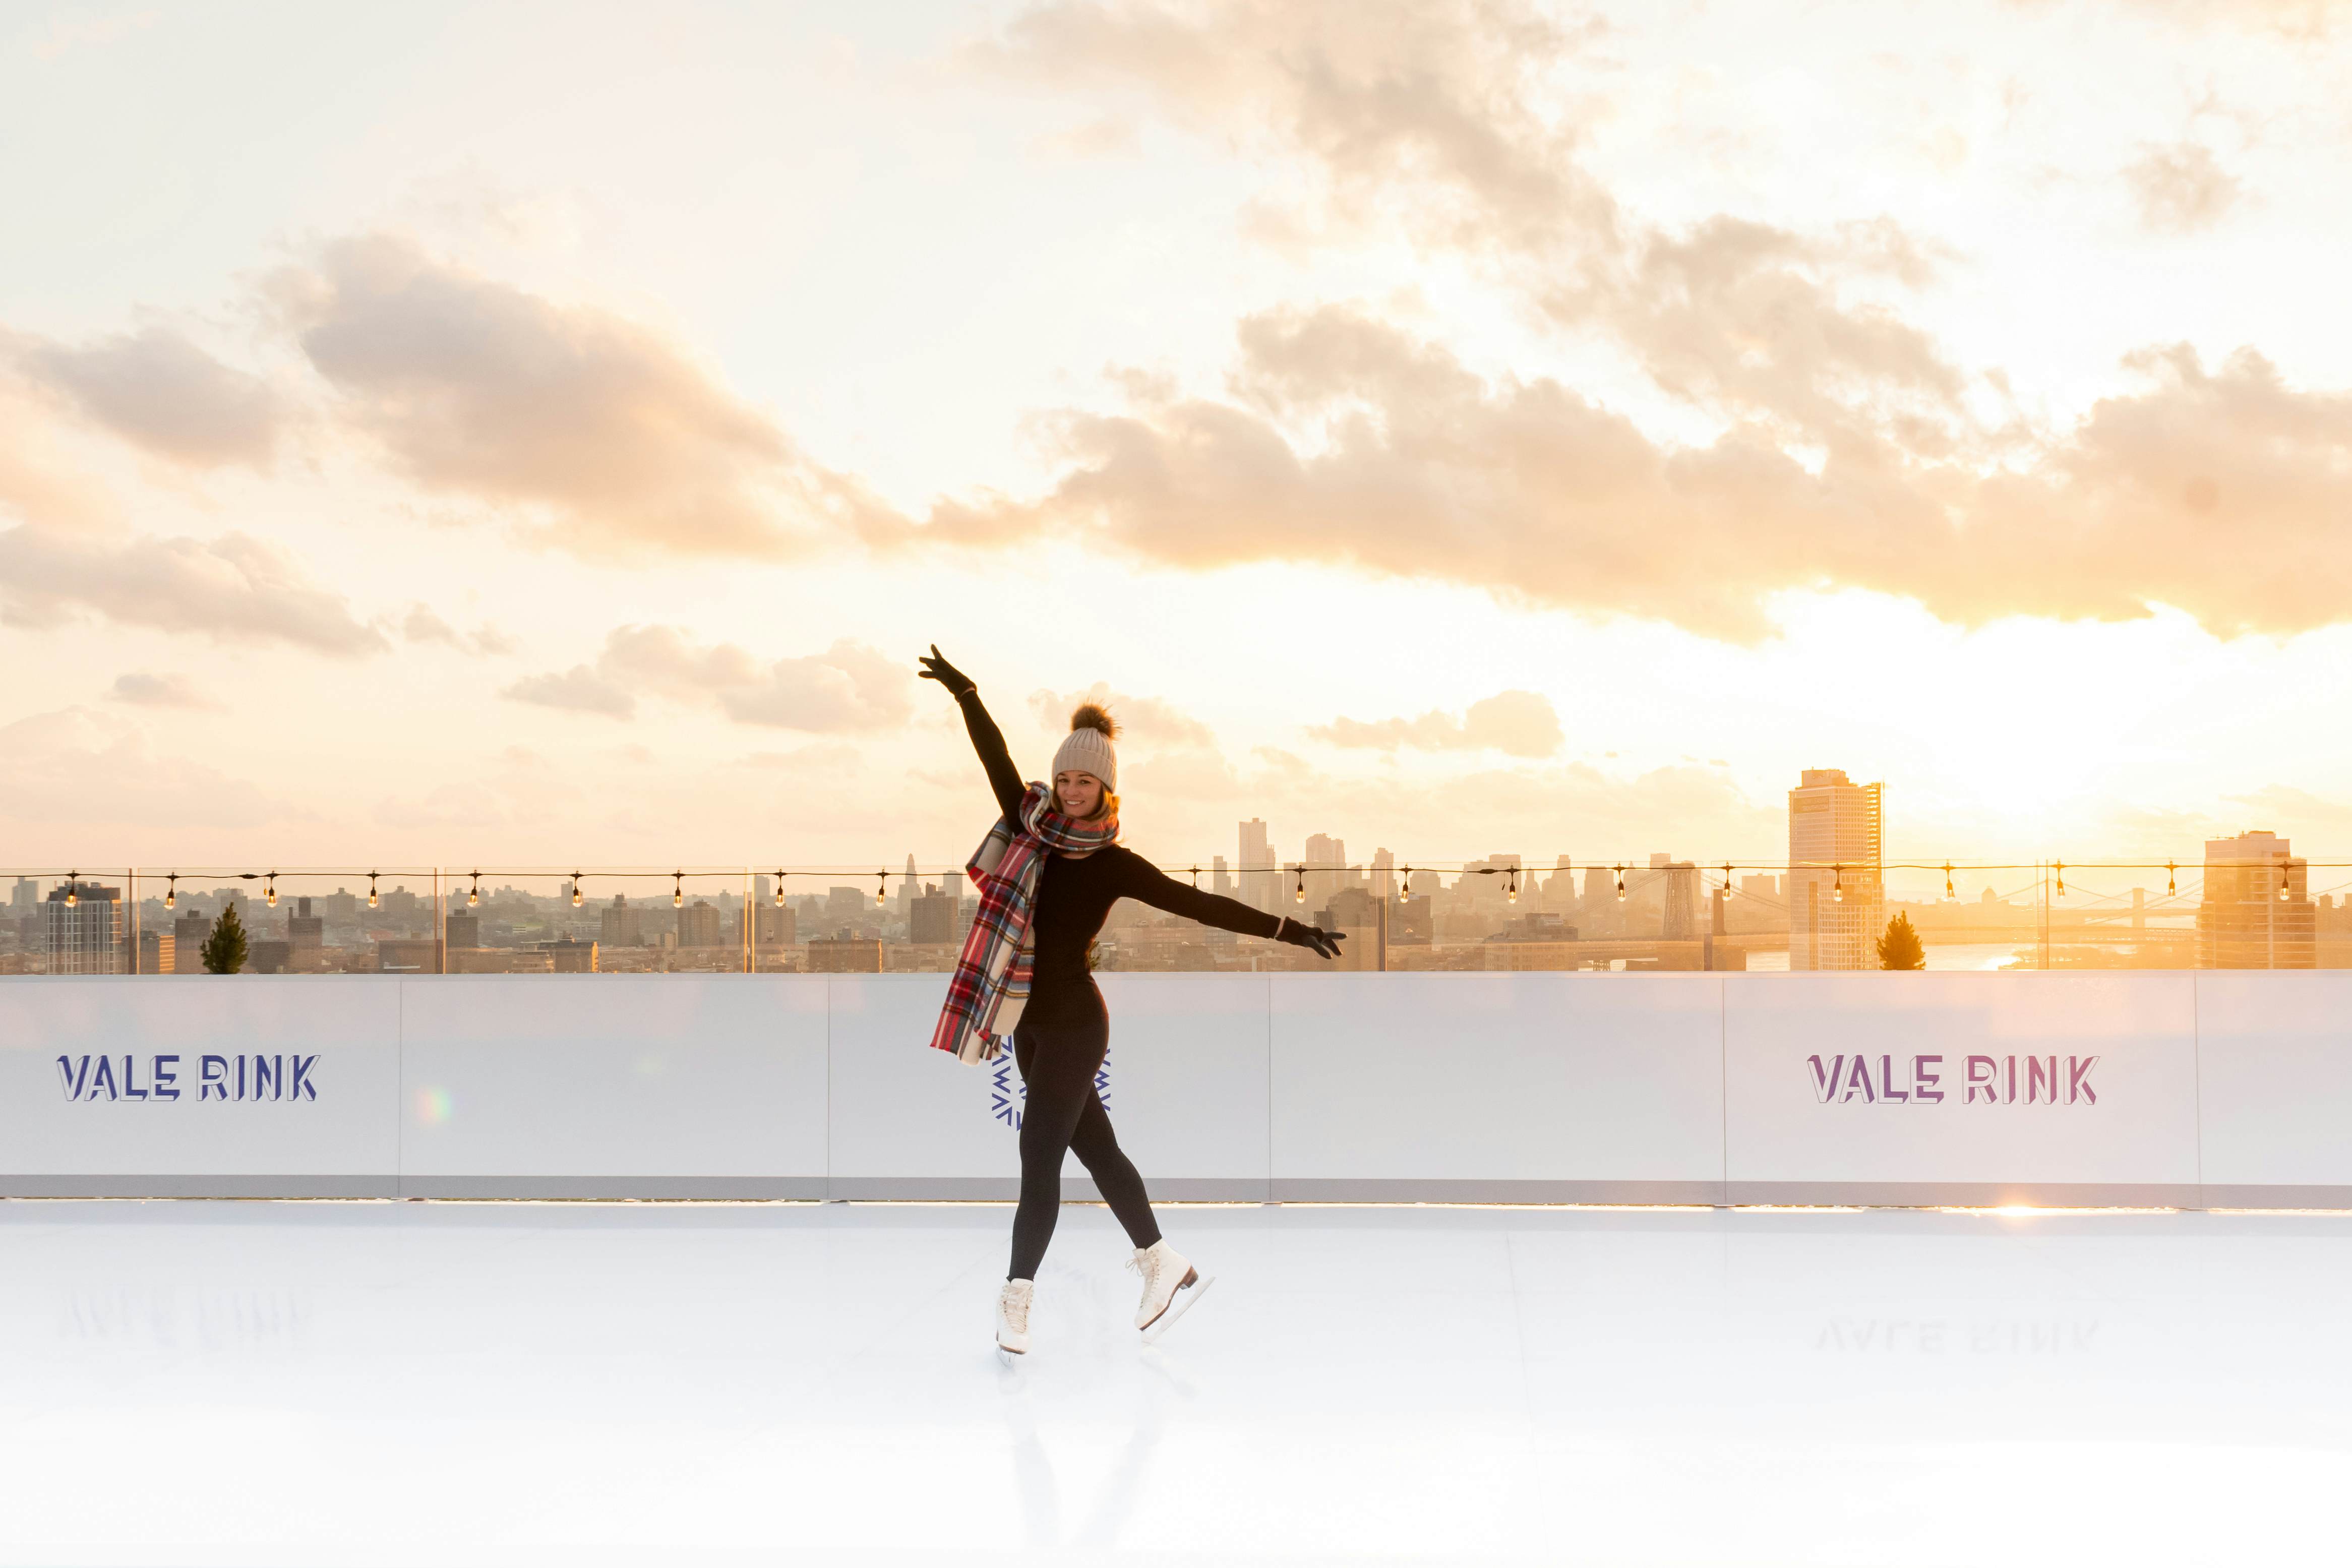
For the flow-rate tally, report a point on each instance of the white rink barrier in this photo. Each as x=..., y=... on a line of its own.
x=2227, y=1089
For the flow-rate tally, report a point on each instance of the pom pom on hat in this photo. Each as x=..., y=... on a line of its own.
x=1087, y=749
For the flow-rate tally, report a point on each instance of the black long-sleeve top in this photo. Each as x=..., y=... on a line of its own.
x=1075, y=892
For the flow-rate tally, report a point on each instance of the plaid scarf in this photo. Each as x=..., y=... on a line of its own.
x=998, y=955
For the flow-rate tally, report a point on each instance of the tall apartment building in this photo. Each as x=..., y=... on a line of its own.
x=698, y=925
x=1221, y=877
x=1257, y=863
x=1837, y=893
x=619, y=925
x=81, y=929
x=2257, y=911
x=933, y=916
x=1384, y=883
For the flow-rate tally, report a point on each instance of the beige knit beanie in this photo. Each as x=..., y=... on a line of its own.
x=1088, y=748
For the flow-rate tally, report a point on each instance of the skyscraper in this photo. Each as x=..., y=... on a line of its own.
x=1327, y=863
x=1837, y=897
x=1383, y=874
x=1256, y=865
x=81, y=929
x=2257, y=911
x=1681, y=919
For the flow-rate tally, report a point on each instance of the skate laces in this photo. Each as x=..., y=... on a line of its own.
x=1014, y=1306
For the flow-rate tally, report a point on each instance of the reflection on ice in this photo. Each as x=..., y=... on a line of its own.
x=671, y=1383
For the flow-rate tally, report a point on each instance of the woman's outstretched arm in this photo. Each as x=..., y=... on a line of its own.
x=987, y=740
x=1145, y=883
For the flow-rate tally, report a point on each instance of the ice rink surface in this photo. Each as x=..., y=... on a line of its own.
x=450, y=1383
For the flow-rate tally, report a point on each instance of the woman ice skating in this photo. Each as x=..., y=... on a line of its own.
x=1049, y=873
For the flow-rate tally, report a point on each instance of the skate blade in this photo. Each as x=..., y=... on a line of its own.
x=1009, y=1357
x=1178, y=1305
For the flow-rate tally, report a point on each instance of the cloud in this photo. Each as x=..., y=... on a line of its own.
x=2180, y=189
x=604, y=435
x=848, y=688
x=579, y=689
x=422, y=625
x=2216, y=490
x=168, y=690
x=162, y=394
x=233, y=588
x=1517, y=723
x=78, y=770
x=1457, y=124
x=1432, y=111
x=1147, y=720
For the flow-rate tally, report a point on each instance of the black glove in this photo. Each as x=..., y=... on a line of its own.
x=947, y=675
x=1297, y=934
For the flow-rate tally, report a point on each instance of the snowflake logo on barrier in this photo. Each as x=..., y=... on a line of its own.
x=1007, y=1093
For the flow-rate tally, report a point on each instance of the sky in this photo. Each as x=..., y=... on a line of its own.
x=538, y=435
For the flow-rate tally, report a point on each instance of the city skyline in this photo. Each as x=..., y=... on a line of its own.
x=1564, y=439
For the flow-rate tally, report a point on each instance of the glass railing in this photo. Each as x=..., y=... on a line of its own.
x=1491, y=914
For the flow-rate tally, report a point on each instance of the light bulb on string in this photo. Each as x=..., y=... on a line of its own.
x=2283, y=893
x=1405, y=885
x=1621, y=884
x=2060, y=866
x=1949, y=895
x=270, y=890
x=1726, y=878
x=2169, y=891
x=780, y=887
x=575, y=890
x=73, y=888
x=172, y=891
x=372, y=877
x=474, y=893
x=1837, y=884
x=1300, y=895
x=881, y=881
x=677, y=889
x=1511, y=887
x=1196, y=878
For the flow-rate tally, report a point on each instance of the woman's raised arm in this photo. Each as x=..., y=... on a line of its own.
x=1003, y=778
x=1146, y=883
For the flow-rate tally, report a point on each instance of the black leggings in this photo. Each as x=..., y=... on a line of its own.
x=1059, y=1060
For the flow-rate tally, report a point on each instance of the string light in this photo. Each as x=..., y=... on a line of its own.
x=1621, y=884
x=780, y=887
x=474, y=893
x=73, y=888
x=2061, y=878
x=1950, y=896
x=270, y=889
x=2284, y=894
x=2169, y=891
x=1726, y=878
x=1837, y=884
x=1300, y=895
x=575, y=890
x=1405, y=885
x=372, y=876
x=172, y=891
x=881, y=881
x=1196, y=878
x=677, y=889
x=1511, y=887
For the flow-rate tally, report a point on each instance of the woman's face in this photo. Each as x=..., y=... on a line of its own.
x=1080, y=792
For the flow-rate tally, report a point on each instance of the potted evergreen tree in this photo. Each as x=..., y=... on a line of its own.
x=224, y=950
x=1899, y=948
